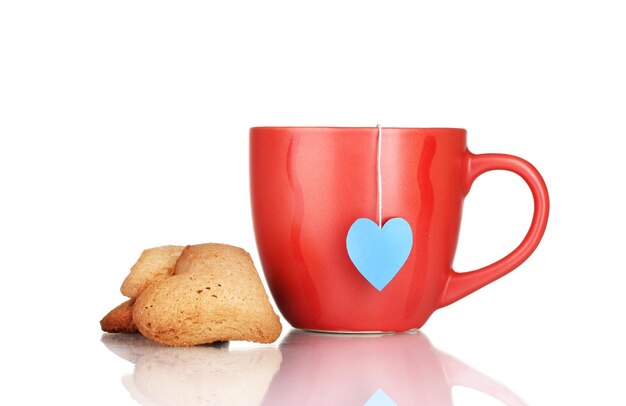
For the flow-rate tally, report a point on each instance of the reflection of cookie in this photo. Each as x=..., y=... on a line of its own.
x=154, y=264
x=211, y=303
x=129, y=346
x=120, y=319
x=205, y=375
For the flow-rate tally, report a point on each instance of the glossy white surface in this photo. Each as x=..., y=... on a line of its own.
x=305, y=368
x=123, y=125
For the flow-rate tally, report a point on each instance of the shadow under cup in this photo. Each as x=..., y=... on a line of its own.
x=310, y=184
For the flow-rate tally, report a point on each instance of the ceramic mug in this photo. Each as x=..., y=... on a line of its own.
x=357, y=228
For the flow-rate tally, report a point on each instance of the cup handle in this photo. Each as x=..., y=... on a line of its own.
x=462, y=284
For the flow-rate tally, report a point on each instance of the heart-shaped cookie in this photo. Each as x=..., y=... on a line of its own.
x=220, y=299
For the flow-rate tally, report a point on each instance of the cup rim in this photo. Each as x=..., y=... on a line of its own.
x=269, y=127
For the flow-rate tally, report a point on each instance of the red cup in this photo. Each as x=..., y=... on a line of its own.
x=310, y=184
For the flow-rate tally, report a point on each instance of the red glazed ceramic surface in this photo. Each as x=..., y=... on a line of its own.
x=310, y=184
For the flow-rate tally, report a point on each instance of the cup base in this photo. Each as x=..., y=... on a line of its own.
x=356, y=333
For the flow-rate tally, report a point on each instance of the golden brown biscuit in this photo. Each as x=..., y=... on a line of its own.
x=214, y=302
x=154, y=264
x=199, y=258
x=120, y=319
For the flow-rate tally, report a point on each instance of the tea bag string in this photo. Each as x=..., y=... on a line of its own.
x=379, y=176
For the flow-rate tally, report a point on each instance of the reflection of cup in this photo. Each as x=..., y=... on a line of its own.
x=404, y=369
x=204, y=375
x=309, y=185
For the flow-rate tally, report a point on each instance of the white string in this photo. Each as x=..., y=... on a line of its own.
x=379, y=176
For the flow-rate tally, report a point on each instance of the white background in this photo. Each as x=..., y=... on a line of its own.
x=124, y=125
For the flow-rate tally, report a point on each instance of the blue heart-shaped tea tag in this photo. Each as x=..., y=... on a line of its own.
x=379, y=253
